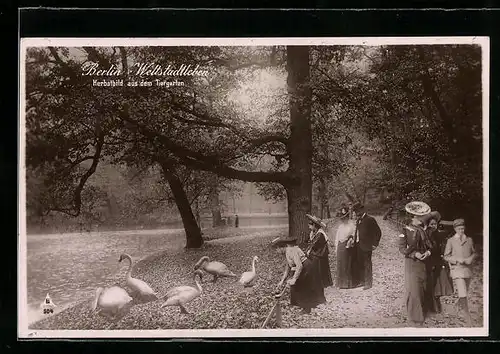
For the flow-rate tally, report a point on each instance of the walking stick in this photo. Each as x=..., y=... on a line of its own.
x=276, y=309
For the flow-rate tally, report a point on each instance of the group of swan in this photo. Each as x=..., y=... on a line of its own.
x=113, y=301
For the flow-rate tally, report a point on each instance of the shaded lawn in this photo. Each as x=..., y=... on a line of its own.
x=226, y=304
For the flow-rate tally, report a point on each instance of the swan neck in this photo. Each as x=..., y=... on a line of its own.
x=202, y=262
x=96, y=299
x=198, y=284
x=253, y=265
x=129, y=271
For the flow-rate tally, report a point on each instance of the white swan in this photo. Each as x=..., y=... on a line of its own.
x=181, y=295
x=140, y=288
x=111, y=301
x=217, y=269
x=248, y=278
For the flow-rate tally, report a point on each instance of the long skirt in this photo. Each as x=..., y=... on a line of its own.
x=357, y=267
x=439, y=284
x=415, y=286
x=443, y=284
x=345, y=259
x=307, y=292
x=364, y=268
x=326, y=274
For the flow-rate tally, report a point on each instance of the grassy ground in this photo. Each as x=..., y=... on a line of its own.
x=226, y=304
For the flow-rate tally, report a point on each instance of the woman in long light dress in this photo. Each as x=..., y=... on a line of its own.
x=345, y=254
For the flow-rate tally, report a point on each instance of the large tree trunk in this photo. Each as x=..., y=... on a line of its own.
x=215, y=203
x=193, y=232
x=197, y=212
x=299, y=190
x=323, y=199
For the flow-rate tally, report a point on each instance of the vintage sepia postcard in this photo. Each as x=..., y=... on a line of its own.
x=253, y=187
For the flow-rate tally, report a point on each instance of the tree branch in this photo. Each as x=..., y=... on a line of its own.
x=199, y=161
x=71, y=73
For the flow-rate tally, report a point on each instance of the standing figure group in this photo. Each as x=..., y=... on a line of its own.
x=432, y=262
x=355, y=241
x=434, y=265
x=310, y=267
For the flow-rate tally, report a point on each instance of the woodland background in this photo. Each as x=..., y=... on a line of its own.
x=384, y=124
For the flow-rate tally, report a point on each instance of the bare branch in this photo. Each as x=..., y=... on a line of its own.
x=199, y=161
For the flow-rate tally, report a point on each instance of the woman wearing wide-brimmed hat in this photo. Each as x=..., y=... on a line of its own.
x=416, y=247
x=344, y=242
x=439, y=282
x=318, y=248
x=306, y=288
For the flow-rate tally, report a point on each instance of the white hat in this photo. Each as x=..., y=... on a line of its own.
x=418, y=208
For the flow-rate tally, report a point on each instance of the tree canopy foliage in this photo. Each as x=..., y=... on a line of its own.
x=417, y=107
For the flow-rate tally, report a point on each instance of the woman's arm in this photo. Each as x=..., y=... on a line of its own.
x=298, y=269
x=285, y=275
x=406, y=248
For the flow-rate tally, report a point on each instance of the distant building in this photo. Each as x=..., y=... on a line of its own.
x=249, y=201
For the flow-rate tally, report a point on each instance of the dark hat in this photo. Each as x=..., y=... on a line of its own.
x=343, y=213
x=283, y=240
x=358, y=206
x=316, y=220
x=432, y=215
x=458, y=222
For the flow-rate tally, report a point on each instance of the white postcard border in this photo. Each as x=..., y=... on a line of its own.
x=25, y=332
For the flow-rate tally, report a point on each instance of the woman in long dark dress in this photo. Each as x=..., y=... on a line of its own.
x=318, y=248
x=344, y=242
x=415, y=246
x=306, y=288
x=439, y=282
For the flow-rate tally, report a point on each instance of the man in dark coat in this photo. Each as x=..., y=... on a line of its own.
x=367, y=238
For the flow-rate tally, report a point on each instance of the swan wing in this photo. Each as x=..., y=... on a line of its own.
x=247, y=277
x=114, y=296
x=219, y=269
x=184, y=295
x=179, y=289
x=140, y=286
x=228, y=273
x=191, y=295
x=216, y=266
x=174, y=300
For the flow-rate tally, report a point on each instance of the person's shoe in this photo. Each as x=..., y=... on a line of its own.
x=416, y=324
x=367, y=287
x=305, y=311
x=439, y=306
